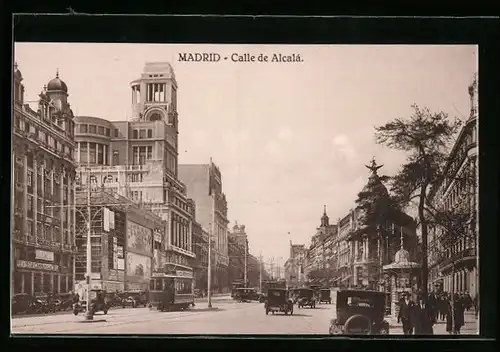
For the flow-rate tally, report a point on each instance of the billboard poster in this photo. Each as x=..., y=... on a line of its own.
x=120, y=264
x=138, y=266
x=111, y=220
x=139, y=238
x=106, y=219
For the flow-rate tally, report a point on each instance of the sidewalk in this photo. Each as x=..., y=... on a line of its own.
x=216, y=297
x=470, y=327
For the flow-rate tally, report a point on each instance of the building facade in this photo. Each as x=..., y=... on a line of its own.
x=374, y=245
x=320, y=263
x=125, y=238
x=200, y=248
x=138, y=158
x=453, y=266
x=43, y=174
x=204, y=186
x=295, y=265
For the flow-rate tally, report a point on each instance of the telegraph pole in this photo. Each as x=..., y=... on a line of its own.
x=209, y=269
x=260, y=272
x=272, y=268
x=246, y=251
x=89, y=315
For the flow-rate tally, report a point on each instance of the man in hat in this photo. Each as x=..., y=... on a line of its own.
x=405, y=314
x=423, y=317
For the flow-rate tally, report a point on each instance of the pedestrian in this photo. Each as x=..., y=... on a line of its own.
x=468, y=301
x=405, y=313
x=433, y=305
x=455, y=310
x=475, y=302
x=443, y=306
x=423, y=317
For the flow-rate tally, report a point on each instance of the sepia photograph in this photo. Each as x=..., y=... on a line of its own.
x=250, y=189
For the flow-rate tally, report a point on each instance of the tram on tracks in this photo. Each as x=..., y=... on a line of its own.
x=170, y=292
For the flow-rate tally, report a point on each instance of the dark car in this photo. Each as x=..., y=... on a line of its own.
x=25, y=303
x=246, y=294
x=98, y=303
x=360, y=312
x=278, y=300
x=134, y=299
x=65, y=301
x=305, y=297
x=325, y=296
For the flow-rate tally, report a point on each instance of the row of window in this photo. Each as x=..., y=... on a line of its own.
x=141, y=153
x=34, y=283
x=181, y=204
x=29, y=254
x=180, y=232
x=142, y=133
x=43, y=136
x=93, y=153
x=93, y=129
x=48, y=232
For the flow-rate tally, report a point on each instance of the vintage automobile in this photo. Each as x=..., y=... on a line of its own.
x=98, y=303
x=65, y=301
x=134, y=299
x=25, y=303
x=305, y=297
x=325, y=296
x=278, y=301
x=360, y=312
x=246, y=295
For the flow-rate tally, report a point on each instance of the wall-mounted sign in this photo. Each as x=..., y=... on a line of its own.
x=95, y=276
x=119, y=252
x=157, y=237
x=44, y=255
x=184, y=273
x=24, y=264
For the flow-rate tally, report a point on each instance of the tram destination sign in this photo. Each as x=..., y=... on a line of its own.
x=24, y=264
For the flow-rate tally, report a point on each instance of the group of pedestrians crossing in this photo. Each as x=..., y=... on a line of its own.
x=420, y=317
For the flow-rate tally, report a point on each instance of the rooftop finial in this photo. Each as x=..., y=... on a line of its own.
x=57, y=73
x=373, y=167
x=45, y=87
x=15, y=65
x=324, y=209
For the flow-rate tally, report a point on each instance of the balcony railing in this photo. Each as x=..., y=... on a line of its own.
x=464, y=254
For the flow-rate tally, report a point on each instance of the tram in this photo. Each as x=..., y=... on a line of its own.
x=170, y=291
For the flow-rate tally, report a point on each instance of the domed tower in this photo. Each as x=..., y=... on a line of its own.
x=55, y=106
x=18, y=86
x=154, y=94
x=57, y=92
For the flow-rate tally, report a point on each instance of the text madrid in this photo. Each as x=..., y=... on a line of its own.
x=214, y=57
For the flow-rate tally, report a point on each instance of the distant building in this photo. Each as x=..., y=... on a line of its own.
x=295, y=265
x=138, y=159
x=237, y=251
x=454, y=265
x=200, y=248
x=204, y=186
x=321, y=251
x=43, y=175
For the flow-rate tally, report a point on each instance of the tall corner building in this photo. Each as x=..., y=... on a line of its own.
x=204, y=184
x=138, y=159
x=43, y=175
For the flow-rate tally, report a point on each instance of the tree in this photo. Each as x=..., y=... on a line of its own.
x=425, y=136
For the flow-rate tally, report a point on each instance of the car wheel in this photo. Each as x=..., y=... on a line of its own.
x=75, y=312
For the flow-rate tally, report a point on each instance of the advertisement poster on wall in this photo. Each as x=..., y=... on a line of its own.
x=138, y=266
x=139, y=238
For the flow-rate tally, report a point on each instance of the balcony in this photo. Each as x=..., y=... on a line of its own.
x=467, y=254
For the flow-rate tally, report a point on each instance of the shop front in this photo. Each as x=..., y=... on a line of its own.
x=39, y=278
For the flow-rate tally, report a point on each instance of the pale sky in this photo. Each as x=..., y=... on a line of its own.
x=287, y=137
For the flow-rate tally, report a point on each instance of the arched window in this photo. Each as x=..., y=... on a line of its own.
x=155, y=117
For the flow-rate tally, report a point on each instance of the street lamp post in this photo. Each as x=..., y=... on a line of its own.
x=89, y=315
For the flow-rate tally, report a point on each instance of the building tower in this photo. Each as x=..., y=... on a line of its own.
x=325, y=220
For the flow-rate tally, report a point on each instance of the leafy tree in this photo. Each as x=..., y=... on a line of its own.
x=425, y=136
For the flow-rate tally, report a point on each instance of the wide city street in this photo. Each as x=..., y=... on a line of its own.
x=225, y=317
